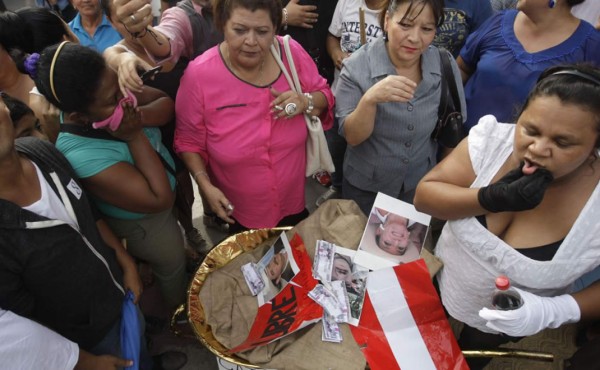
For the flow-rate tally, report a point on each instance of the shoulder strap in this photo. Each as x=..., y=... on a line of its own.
x=86, y=131
x=276, y=54
x=444, y=85
x=290, y=58
x=448, y=75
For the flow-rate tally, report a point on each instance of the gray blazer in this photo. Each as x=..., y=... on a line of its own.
x=400, y=151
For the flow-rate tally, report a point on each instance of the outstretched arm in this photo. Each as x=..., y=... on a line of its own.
x=131, y=277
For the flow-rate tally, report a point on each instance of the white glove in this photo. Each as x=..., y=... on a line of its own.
x=536, y=313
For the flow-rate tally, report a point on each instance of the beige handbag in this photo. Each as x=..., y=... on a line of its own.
x=317, y=152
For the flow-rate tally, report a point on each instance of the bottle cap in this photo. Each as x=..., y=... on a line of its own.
x=502, y=282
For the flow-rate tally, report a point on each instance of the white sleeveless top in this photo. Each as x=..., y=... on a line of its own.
x=473, y=256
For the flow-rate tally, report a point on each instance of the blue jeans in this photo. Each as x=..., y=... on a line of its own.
x=337, y=147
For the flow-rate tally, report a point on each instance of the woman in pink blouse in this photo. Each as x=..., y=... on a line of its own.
x=237, y=130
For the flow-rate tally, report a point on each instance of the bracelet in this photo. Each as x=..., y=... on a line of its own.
x=136, y=35
x=195, y=175
x=285, y=19
x=311, y=104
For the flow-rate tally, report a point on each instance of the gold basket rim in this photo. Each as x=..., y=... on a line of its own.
x=212, y=262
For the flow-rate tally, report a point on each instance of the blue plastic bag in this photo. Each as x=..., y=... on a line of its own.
x=130, y=332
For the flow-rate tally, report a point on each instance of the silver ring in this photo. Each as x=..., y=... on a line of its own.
x=290, y=108
x=278, y=107
x=132, y=17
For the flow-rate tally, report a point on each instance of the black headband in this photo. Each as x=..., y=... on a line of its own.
x=574, y=72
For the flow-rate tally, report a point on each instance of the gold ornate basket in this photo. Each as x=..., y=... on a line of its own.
x=218, y=257
x=240, y=243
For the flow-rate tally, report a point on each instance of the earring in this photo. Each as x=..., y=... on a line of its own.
x=551, y=4
x=385, y=34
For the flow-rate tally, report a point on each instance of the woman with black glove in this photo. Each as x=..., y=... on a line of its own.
x=523, y=201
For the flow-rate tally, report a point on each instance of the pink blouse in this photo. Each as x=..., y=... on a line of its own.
x=257, y=161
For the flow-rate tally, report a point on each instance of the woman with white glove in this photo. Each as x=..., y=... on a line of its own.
x=538, y=313
x=523, y=201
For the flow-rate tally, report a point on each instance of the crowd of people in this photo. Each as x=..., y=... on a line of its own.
x=108, y=118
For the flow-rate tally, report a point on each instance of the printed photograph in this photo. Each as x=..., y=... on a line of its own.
x=394, y=234
x=354, y=277
x=276, y=267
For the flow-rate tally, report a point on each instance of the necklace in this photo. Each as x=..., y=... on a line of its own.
x=237, y=71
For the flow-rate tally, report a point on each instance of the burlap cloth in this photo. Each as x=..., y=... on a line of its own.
x=230, y=308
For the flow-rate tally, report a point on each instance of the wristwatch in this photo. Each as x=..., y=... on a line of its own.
x=311, y=104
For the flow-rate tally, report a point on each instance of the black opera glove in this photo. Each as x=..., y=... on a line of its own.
x=515, y=191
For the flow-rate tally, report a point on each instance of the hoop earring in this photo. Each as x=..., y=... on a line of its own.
x=551, y=4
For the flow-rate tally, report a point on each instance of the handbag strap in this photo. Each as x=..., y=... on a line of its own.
x=292, y=80
x=284, y=70
x=444, y=91
x=448, y=78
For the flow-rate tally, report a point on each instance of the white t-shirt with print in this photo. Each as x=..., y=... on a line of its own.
x=345, y=24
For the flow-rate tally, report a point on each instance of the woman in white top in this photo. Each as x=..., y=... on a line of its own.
x=523, y=201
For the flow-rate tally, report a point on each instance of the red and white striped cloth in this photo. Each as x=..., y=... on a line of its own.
x=402, y=325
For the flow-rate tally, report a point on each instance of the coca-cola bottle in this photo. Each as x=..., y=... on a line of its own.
x=505, y=298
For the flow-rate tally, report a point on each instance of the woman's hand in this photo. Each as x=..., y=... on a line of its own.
x=136, y=15
x=391, y=89
x=515, y=191
x=218, y=203
x=301, y=15
x=280, y=106
x=536, y=313
x=129, y=65
x=131, y=124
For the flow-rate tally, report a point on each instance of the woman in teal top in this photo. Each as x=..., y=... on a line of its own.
x=126, y=170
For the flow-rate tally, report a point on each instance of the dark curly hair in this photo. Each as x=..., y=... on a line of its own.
x=77, y=75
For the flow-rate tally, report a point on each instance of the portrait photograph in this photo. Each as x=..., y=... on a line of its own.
x=277, y=267
x=394, y=234
x=355, y=278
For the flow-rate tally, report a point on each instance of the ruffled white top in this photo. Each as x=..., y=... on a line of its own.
x=473, y=256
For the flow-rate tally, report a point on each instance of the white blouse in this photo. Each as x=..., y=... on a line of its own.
x=473, y=256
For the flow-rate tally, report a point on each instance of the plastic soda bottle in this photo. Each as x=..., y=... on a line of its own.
x=505, y=298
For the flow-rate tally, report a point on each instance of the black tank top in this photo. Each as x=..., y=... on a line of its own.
x=541, y=253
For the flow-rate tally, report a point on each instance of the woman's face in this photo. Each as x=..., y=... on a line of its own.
x=106, y=98
x=408, y=38
x=555, y=136
x=248, y=35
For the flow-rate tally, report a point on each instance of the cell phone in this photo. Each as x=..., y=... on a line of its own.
x=149, y=74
